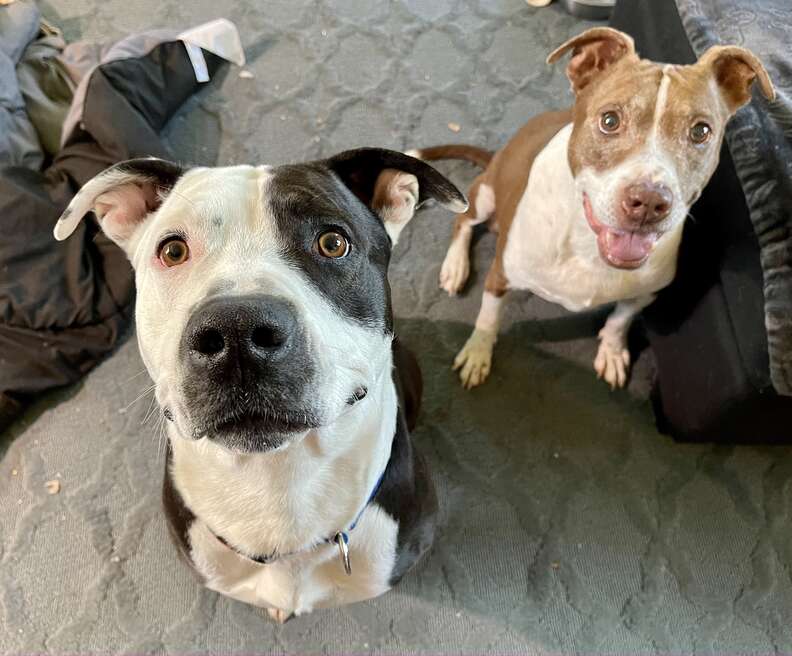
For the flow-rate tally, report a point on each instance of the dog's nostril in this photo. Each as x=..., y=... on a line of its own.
x=636, y=203
x=266, y=337
x=210, y=342
x=661, y=208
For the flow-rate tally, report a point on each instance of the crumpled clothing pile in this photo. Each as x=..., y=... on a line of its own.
x=68, y=112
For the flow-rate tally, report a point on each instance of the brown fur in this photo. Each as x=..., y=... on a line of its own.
x=631, y=86
x=474, y=154
x=592, y=52
x=507, y=175
x=651, y=148
x=735, y=70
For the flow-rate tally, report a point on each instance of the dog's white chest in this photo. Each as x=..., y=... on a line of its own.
x=552, y=252
x=300, y=583
x=287, y=500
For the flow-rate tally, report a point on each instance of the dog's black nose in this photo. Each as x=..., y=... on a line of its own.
x=646, y=202
x=237, y=335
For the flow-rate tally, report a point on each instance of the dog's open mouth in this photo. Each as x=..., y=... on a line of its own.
x=623, y=249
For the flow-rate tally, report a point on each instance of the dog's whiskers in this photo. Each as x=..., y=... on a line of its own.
x=151, y=409
x=160, y=432
x=148, y=390
x=139, y=373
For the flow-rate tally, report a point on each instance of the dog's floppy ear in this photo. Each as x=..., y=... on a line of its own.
x=121, y=197
x=393, y=184
x=592, y=52
x=735, y=69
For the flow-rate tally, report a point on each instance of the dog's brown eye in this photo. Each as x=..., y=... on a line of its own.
x=610, y=122
x=700, y=133
x=173, y=252
x=333, y=244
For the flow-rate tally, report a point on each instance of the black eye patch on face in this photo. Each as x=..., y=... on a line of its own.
x=343, y=192
x=306, y=201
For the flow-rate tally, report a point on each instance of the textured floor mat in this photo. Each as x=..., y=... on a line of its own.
x=567, y=522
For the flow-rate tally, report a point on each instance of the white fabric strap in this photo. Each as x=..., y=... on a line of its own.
x=198, y=61
x=219, y=37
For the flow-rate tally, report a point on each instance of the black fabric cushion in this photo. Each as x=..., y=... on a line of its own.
x=65, y=305
x=707, y=328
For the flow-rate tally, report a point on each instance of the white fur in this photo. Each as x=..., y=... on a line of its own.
x=489, y=314
x=242, y=250
x=660, y=105
x=552, y=251
x=307, y=581
x=652, y=163
x=456, y=266
x=485, y=203
x=310, y=488
x=315, y=484
x=83, y=202
x=286, y=501
x=475, y=359
x=455, y=269
x=613, y=357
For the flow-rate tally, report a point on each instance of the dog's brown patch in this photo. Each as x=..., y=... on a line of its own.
x=630, y=89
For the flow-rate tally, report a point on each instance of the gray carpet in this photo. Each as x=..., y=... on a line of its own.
x=568, y=523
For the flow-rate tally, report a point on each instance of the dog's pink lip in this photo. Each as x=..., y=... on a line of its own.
x=612, y=241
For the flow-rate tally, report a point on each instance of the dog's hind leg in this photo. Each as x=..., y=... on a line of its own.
x=613, y=358
x=475, y=359
x=456, y=265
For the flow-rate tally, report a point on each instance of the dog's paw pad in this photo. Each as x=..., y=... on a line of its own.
x=612, y=364
x=475, y=359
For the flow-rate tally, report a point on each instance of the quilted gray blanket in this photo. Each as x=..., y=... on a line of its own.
x=760, y=141
x=568, y=525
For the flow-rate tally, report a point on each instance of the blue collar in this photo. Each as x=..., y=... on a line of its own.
x=340, y=538
x=373, y=494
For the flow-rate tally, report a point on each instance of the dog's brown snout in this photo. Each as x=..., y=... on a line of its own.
x=646, y=202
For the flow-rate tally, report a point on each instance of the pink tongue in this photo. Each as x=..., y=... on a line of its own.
x=629, y=246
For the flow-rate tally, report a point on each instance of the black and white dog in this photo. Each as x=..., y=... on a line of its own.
x=264, y=319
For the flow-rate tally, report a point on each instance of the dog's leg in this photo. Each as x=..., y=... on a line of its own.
x=475, y=358
x=280, y=616
x=613, y=358
x=456, y=265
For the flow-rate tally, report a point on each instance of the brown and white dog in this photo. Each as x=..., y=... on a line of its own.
x=589, y=203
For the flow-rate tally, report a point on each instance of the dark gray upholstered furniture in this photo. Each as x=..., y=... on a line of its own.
x=718, y=376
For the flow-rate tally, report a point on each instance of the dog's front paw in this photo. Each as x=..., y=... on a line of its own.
x=475, y=358
x=455, y=270
x=280, y=616
x=612, y=362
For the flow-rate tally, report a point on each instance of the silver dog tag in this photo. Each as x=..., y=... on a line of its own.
x=343, y=549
